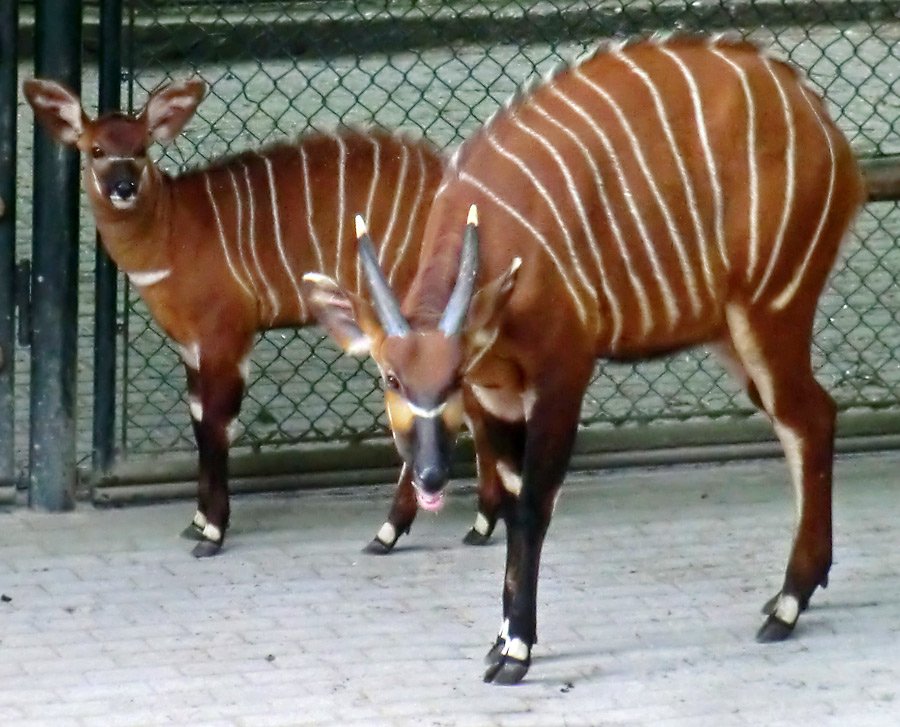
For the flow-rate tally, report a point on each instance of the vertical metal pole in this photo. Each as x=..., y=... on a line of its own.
x=9, y=24
x=105, y=271
x=54, y=273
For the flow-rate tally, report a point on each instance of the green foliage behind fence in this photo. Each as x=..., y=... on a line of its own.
x=439, y=69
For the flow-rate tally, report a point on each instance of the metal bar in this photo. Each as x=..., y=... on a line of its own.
x=9, y=22
x=376, y=461
x=270, y=33
x=52, y=470
x=128, y=31
x=105, y=274
x=882, y=175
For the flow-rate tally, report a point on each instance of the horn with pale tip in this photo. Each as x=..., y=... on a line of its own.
x=454, y=315
x=383, y=300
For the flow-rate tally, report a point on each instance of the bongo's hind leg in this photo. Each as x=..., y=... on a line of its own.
x=776, y=359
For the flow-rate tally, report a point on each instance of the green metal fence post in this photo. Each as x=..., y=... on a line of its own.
x=9, y=23
x=105, y=271
x=52, y=470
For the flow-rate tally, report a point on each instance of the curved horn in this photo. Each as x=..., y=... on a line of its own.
x=386, y=306
x=455, y=313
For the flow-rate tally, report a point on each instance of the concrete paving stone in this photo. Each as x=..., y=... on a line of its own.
x=130, y=675
x=288, y=719
x=134, y=630
x=417, y=701
x=648, y=604
x=312, y=677
x=60, y=669
x=114, y=691
x=75, y=709
x=50, y=722
x=29, y=654
x=133, y=718
x=9, y=715
x=22, y=697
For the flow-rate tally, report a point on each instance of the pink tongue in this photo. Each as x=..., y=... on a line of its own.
x=430, y=502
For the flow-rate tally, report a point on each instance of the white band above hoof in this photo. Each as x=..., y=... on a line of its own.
x=211, y=532
x=387, y=534
x=787, y=609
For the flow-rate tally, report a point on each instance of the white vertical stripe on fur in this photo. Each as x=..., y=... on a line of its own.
x=395, y=207
x=750, y=355
x=792, y=444
x=790, y=159
x=190, y=355
x=222, y=239
x=690, y=195
x=548, y=198
x=790, y=290
x=636, y=284
x=239, y=225
x=196, y=408
x=512, y=481
x=244, y=367
x=668, y=296
x=342, y=203
x=279, y=241
x=310, y=223
x=233, y=430
x=680, y=252
x=376, y=173
x=751, y=161
x=542, y=241
x=703, y=132
x=251, y=206
x=370, y=200
x=576, y=194
x=757, y=368
x=413, y=214
x=96, y=181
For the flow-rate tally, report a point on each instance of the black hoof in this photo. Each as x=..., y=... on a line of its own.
x=774, y=629
x=206, y=548
x=192, y=532
x=473, y=537
x=495, y=654
x=507, y=671
x=376, y=547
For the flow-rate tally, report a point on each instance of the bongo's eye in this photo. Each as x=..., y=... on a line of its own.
x=393, y=382
x=97, y=152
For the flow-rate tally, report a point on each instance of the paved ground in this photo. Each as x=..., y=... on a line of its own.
x=649, y=600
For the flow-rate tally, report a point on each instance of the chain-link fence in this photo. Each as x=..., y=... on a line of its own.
x=439, y=69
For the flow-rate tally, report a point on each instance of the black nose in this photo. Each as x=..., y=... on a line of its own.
x=124, y=189
x=431, y=478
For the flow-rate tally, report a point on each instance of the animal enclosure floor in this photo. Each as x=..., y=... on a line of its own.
x=649, y=599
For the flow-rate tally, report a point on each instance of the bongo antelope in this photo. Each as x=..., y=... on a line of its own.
x=653, y=196
x=218, y=253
